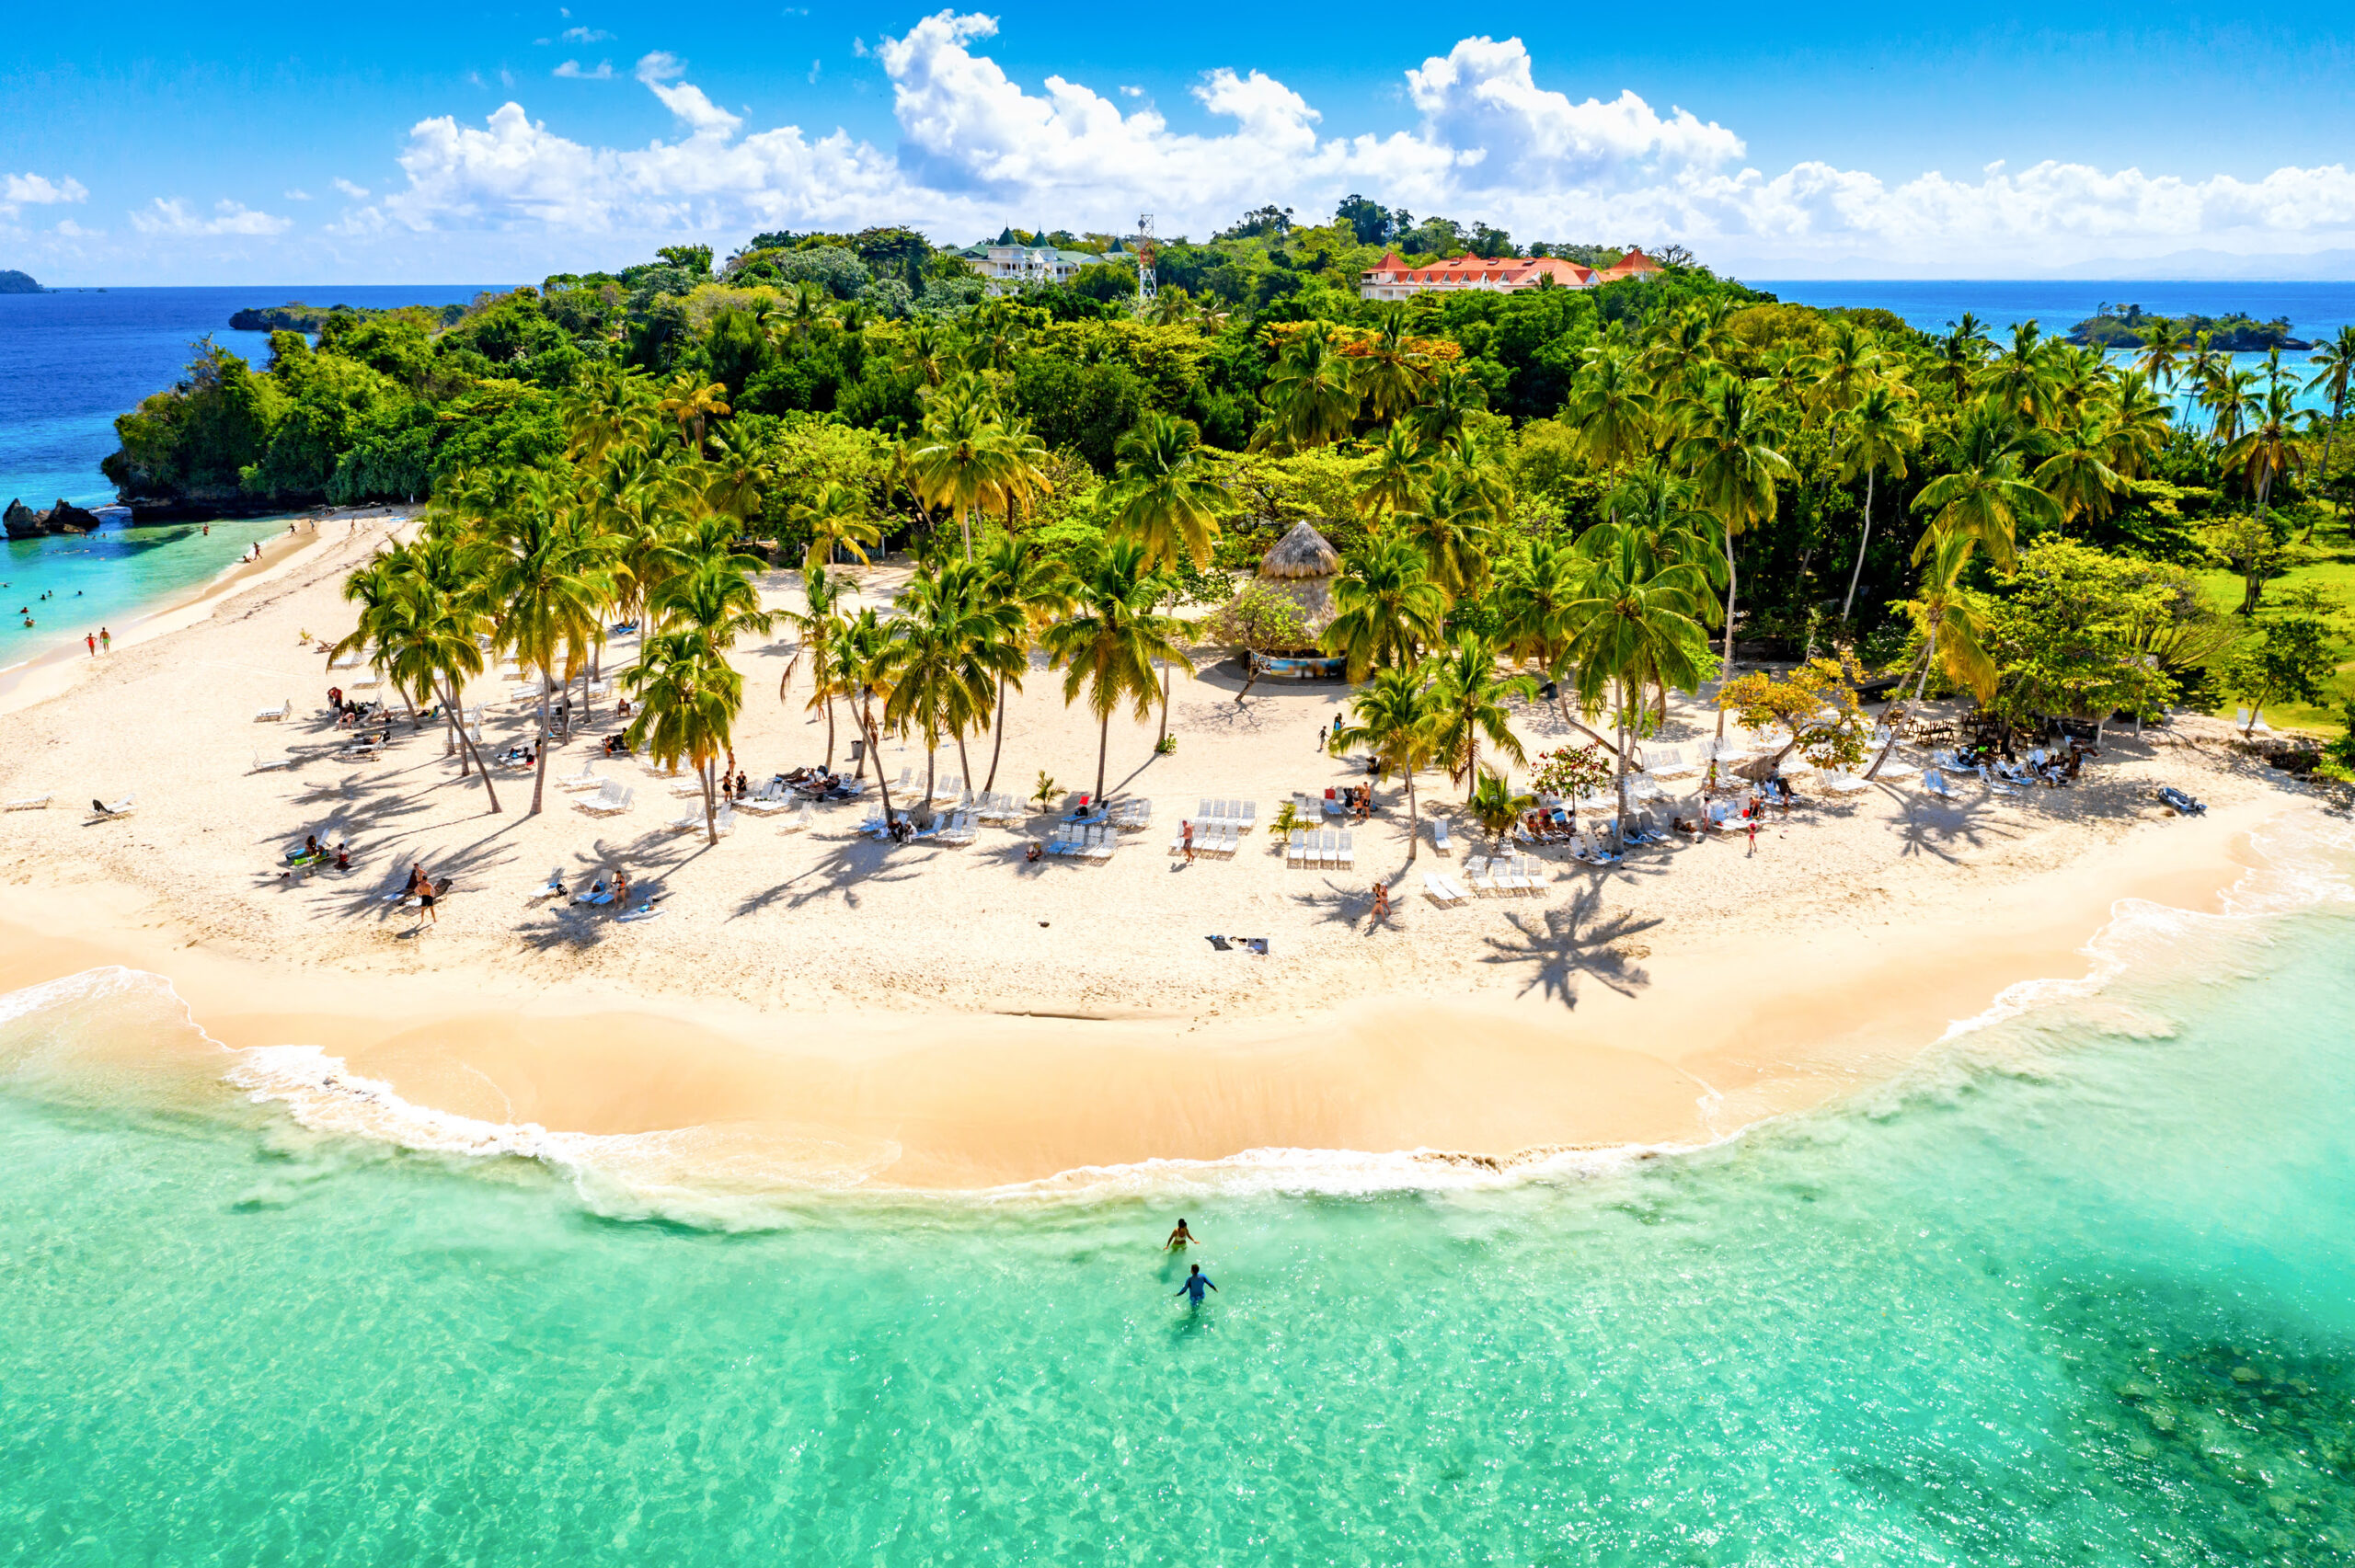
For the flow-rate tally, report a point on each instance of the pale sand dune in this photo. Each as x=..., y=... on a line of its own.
x=830, y=1000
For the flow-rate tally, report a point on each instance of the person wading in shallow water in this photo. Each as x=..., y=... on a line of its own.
x=1179, y=1238
x=1196, y=1283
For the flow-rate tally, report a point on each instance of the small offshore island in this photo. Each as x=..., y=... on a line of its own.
x=963, y=598
x=15, y=282
x=2130, y=326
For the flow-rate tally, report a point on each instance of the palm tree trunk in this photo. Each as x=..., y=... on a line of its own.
x=964, y=763
x=1725, y=674
x=1929, y=654
x=710, y=806
x=965, y=526
x=415, y=723
x=1848, y=603
x=1414, y=823
x=997, y=736
x=875, y=748
x=467, y=741
x=931, y=758
x=1103, y=747
x=540, y=774
x=829, y=728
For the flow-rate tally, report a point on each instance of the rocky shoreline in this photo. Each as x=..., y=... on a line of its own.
x=22, y=523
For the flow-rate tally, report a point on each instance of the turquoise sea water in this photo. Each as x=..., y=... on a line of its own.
x=107, y=578
x=2081, y=1291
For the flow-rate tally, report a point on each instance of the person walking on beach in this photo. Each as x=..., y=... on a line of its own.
x=1185, y=841
x=106, y=639
x=1754, y=832
x=1322, y=730
x=1179, y=1238
x=91, y=639
x=1196, y=1283
x=1381, y=905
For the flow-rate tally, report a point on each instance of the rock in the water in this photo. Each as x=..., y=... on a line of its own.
x=23, y=522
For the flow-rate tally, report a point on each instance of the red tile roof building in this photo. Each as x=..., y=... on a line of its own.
x=1391, y=279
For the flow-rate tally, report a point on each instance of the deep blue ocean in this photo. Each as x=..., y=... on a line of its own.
x=69, y=363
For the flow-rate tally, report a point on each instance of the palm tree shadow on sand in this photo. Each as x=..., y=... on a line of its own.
x=1561, y=945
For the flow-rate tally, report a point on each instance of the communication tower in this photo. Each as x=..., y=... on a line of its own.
x=1145, y=289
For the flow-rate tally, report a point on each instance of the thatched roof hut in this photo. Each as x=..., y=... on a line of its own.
x=1303, y=565
x=1303, y=553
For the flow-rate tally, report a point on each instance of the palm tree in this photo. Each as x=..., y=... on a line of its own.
x=550, y=574
x=2139, y=420
x=2163, y=347
x=1037, y=590
x=960, y=461
x=955, y=641
x=1402, y=469
x=1310, y=396
x=1448, y=405
x=1495, y=804
x=819, y=626
x=689, y=696
x=2077, y=475
x=692, y=407
x=1735, y=472
x=429, y=624
x=1846, y=365
x=1385, y=606
x=926, y=348
x=1875, y=435
x=1537, y=604
x=1639, y=622
x=868, y=659
x=1983, y=494
x=2020, y=382
x=1454, y=528
x=1391, y=372
x=1613, y=407
x=1953, y=633
x=1959, y=354
x=838, y=517
x=1167, y=500
x=2228, y=398
x=2333, y=364
x=1472, y=703
x=2271, y=445
x=1110, y=641
x=1397, y=718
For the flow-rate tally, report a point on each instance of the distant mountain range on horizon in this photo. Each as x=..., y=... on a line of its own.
x=2177, y=267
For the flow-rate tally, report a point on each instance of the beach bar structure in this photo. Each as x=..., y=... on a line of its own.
x=1302, y=565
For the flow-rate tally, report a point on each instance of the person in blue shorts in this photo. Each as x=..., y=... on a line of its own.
x=1196, y=1283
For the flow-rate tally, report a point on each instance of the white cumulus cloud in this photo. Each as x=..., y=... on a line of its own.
x=1480, y=138
x=38, y=191
x=586, y=34
x=357, y=192
x=573, y=70
x=175, y=216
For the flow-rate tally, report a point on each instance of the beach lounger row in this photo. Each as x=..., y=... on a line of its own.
x=1320, y=849
x=612, y=799
x=1444, y=891
x=1514, y=875
x=1209, y=841
x=1094, y=843
x=1003, y=809
x=723, y=820
x=1131, y=815
x=1242, y=814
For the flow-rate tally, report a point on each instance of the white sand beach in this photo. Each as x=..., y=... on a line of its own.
x=938, y=1017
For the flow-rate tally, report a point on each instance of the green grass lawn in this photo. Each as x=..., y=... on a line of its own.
x=2333, y=567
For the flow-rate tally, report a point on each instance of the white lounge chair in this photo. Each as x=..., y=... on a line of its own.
x=28, y=803
x=1439, y=836
x=1441, y=891
x=584, y=780
x=1934, y=782
x=122, y=808
x=612, y=799
x=271, y=764
x=1348, y=854
x=1295, y=850
x=278, y=715
x=1841, y=780
x=1476, y=873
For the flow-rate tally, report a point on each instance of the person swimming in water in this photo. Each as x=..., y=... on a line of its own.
x=1179, y=1238
x=1196, y=1283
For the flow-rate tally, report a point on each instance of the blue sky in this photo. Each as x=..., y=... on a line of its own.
x=280, y=143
